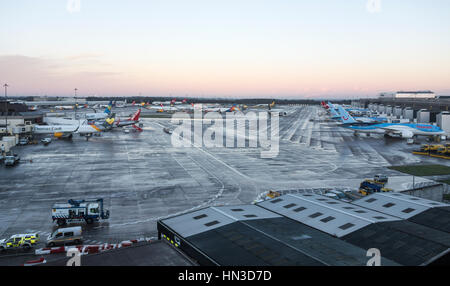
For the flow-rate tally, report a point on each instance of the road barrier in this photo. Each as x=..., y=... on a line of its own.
x=89, y=249
x=35, y=262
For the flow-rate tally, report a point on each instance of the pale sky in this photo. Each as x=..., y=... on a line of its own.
x=235, y=48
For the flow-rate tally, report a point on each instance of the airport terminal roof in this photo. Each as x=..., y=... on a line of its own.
x=251, y=235
x=309, y=229
x=397, y=204
x=332, y=216
x=437, y=218
x=403, y=241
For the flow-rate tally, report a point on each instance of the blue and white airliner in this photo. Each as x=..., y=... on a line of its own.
x=404, y=130
x=336, y=116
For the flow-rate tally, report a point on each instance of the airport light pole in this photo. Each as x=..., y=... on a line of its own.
x=6, y=106
x=76, y=104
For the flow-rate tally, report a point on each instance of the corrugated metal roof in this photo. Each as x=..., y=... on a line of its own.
x=236, y=244
x=397, y=204
x=402, y=241
x=197, y=222
x=210, y=218
x=326, y=214
x=245, y=212
x=437, y=218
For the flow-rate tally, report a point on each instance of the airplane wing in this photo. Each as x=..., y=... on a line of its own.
x=402, y=130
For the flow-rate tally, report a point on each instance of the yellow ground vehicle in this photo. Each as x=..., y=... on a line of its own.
x=24, y=241
x=370, y=186
x=439, y=150
x=442, y=152
x=271, y=194
x=434, y=148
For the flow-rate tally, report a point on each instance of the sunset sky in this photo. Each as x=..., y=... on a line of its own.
x=226, y=48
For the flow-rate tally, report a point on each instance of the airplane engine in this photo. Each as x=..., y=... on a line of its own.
x=407, y=134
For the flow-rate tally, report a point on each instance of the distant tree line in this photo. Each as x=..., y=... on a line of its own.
x=247, y=101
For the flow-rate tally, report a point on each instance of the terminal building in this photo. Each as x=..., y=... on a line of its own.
x=309, y=230
x=15, y=122
x=415, y=94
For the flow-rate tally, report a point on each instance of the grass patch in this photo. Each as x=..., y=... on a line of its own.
x=445, y=181
x=423, y=170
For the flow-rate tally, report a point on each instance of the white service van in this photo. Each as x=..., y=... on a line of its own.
x=68, y=235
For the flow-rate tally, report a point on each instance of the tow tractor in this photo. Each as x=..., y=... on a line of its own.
x=24, y=241
x=78, y=211
x=371, y=186
x=374, y=186
x=438, y=151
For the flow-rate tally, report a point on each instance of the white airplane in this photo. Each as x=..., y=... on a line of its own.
x=66, y=131
x=403, y=130
x=33, y=108
x=222, y=109
x=100, y=115
x=64, y=107
x=162, y=108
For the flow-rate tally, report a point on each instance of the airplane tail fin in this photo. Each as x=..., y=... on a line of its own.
x=345, y=116
x=108, y=108
x=334, y=112
x=136, y=115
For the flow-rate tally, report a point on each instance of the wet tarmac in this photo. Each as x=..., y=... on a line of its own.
x=143, y=178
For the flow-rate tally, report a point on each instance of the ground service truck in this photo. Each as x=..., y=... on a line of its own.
x=78, y=211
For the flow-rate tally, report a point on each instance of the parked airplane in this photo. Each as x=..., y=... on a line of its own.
x=403, y=130
x=129, y=121
x=100, y=115
x=64, y=107
x=336, y=116
x=66, y=131
x=163, y=108
x=33, y=108
x=222, y=109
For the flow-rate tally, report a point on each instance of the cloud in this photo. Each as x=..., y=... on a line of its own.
x=83, y=56
x=32, y=75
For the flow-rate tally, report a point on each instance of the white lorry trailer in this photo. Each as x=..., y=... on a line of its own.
x=78, y=211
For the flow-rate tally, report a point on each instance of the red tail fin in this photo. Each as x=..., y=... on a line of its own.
x=136, y=115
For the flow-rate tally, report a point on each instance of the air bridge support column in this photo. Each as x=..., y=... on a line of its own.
x=389, y=110
x=408, y=113
x=398, y=111
x=443, y=121
x=423, y=116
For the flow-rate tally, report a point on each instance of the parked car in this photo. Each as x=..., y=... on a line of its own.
x=341, y=196
x=11, y=160
x=25, y=241
x=23, y=141
x=46, y=141
x=68, y=235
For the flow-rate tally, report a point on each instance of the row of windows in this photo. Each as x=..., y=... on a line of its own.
x=216, y=222
x=317, y=214
x=388, y=205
